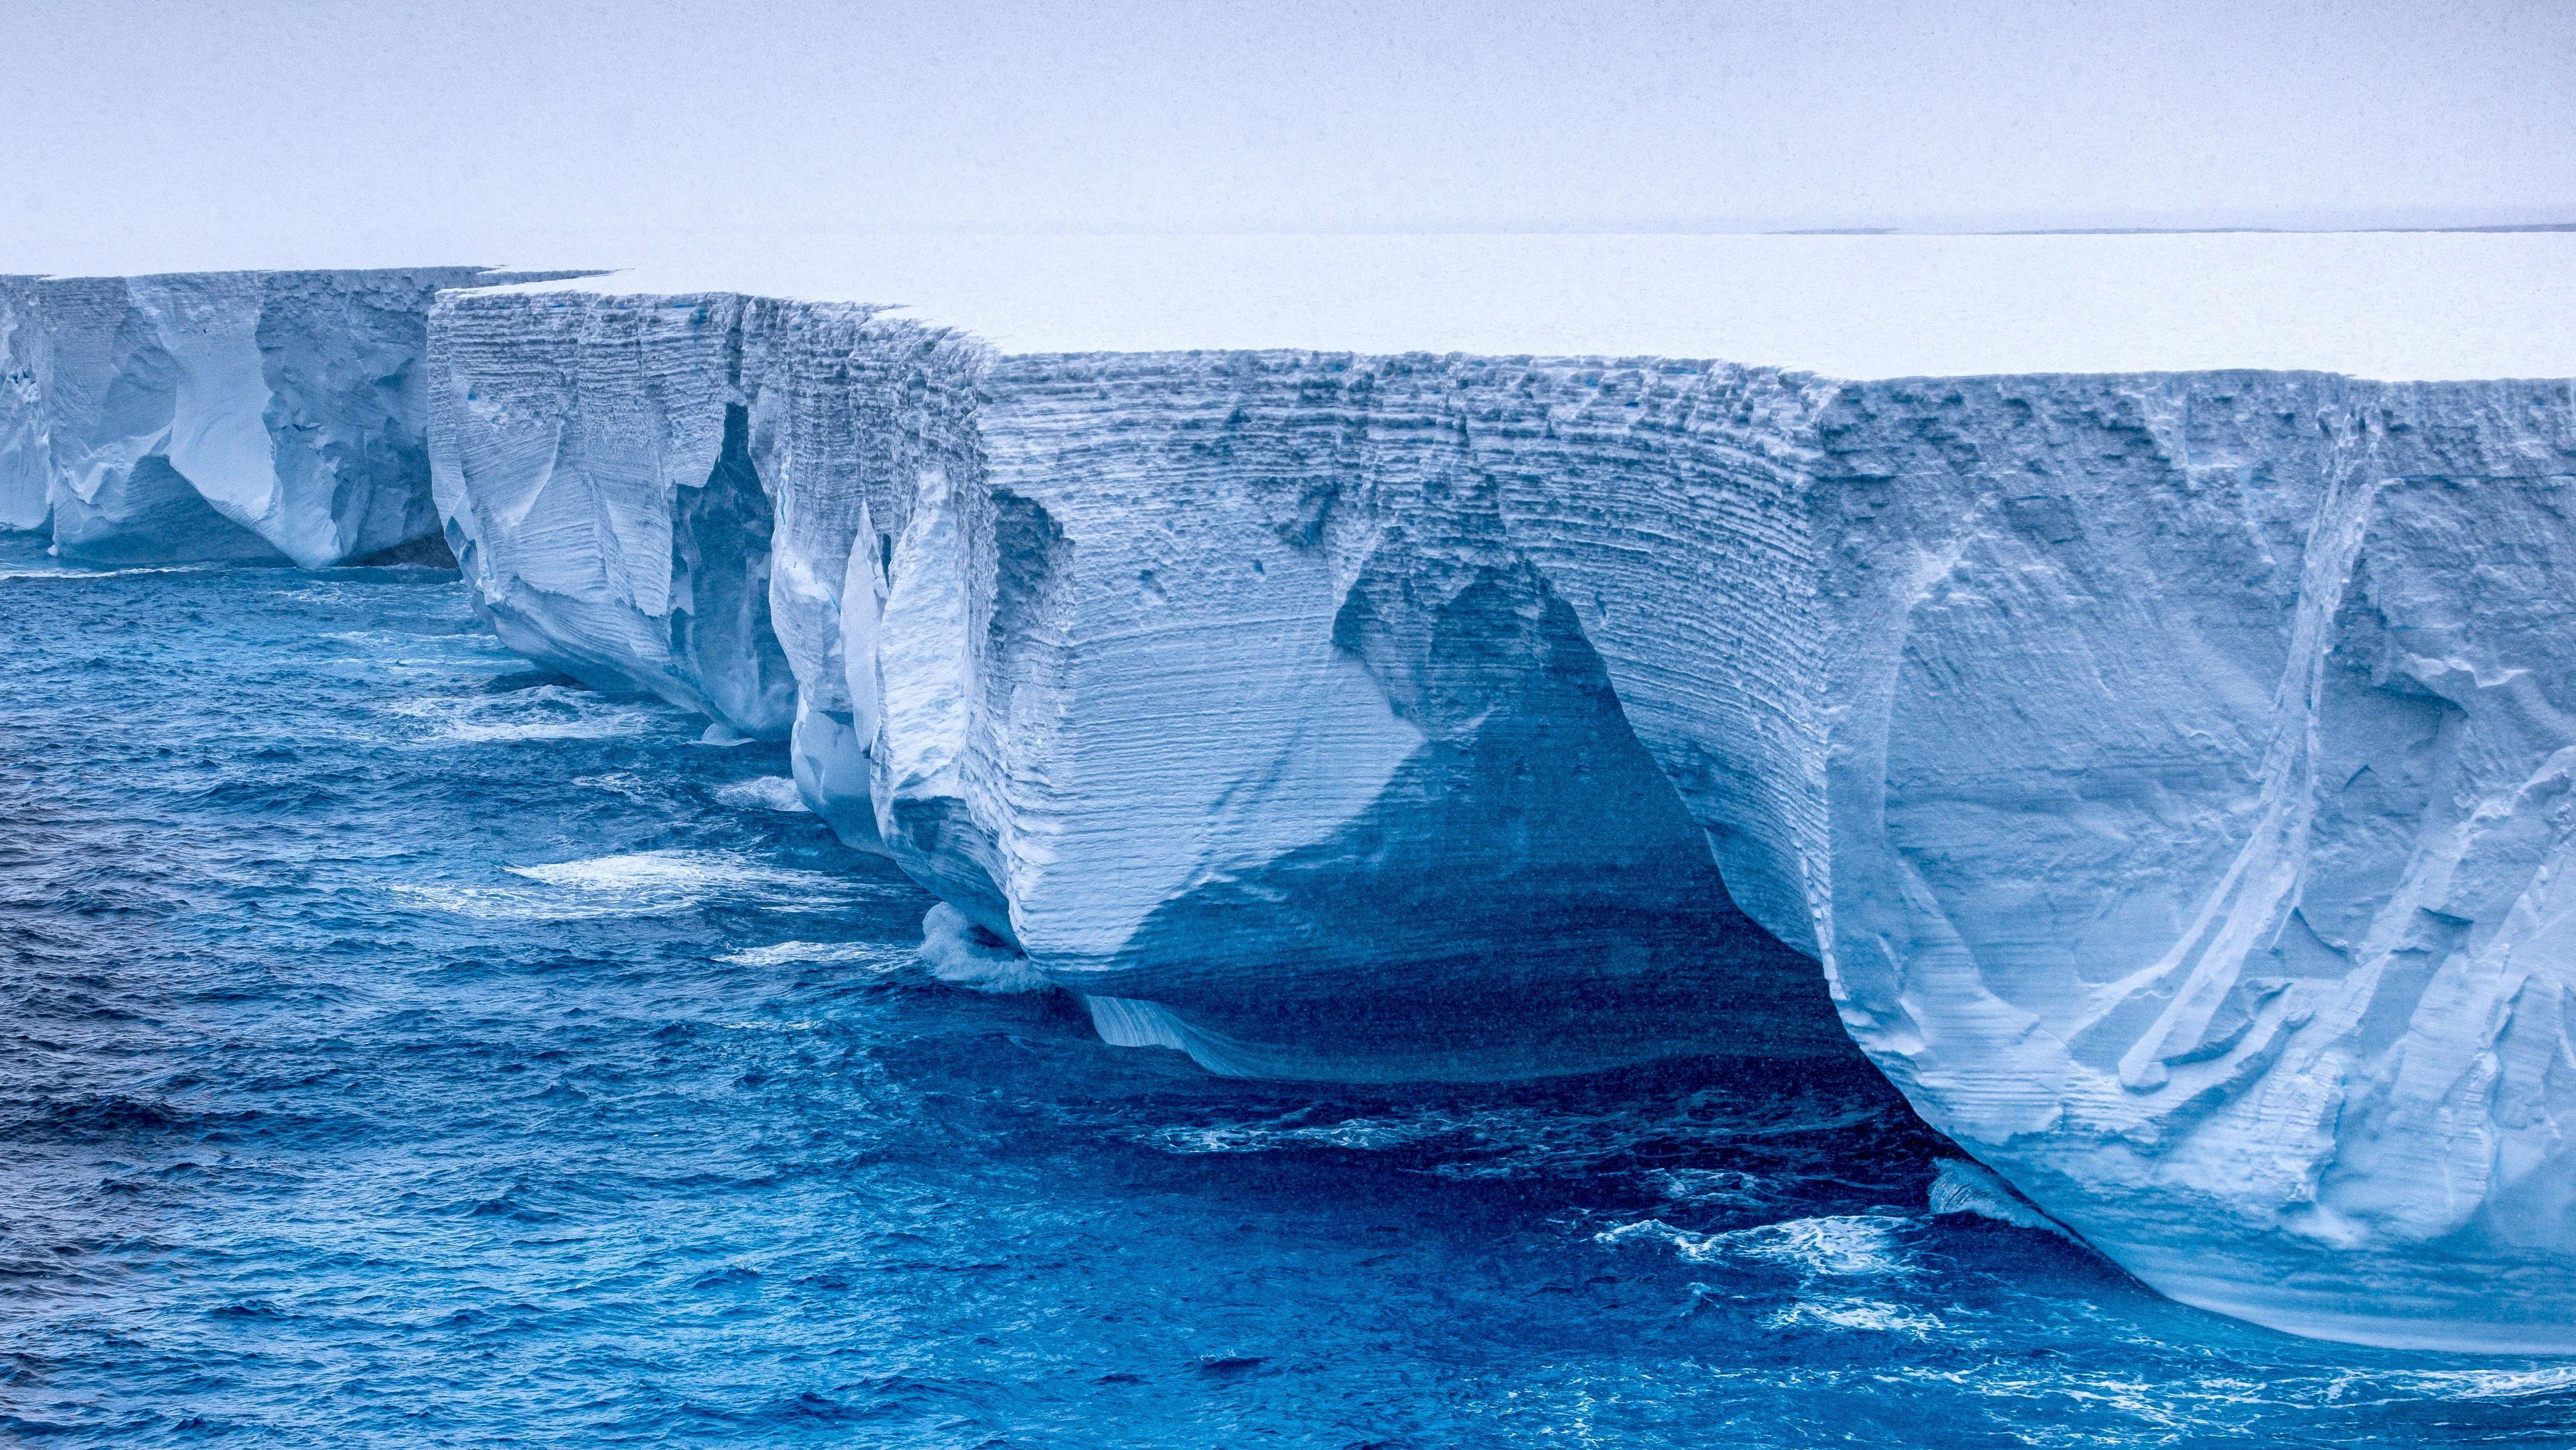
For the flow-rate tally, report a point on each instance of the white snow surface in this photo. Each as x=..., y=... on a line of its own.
x=2395, y=305
x=2163, y=777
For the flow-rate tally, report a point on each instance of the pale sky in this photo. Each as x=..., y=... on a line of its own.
x=274, y=132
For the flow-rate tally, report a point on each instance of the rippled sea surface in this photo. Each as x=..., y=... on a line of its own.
x=407, y=1047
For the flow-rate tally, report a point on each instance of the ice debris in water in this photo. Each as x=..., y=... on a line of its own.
x=962, y=954
x=1962, y=1186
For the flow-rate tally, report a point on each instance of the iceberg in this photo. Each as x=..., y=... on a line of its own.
x=252, y=416
x=2163, y=775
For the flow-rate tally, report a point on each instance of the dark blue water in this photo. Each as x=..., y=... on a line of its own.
x=408, y=1048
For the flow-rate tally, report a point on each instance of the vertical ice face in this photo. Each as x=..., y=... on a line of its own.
x=25, y=465
x=237, y=415
x=2197, y=804
x=665, y=493
x=2167, y=775
x=1278, y=725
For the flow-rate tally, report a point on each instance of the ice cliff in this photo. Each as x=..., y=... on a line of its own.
x=219, y=415
x=2167, y=775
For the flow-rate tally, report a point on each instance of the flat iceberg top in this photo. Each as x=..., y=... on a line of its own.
x=2420, y=306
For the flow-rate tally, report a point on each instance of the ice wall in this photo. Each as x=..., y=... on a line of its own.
x=25, y=466
x=2167, y=773
x=220, y=415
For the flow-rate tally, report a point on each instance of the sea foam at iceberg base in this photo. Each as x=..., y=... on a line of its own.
x=2162, y=775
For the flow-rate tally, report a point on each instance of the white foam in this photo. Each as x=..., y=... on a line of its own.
x=2496, y=1384
x=1843, y=1312
x=1831, y=1246
x=788, y=953
x=1645, y=1228
x=765, y=792
x=1704, y=1186
x=546, y=712
x=68, y=572
x=505, y=903
x=1358, y=1134
x=621, y=782
x=643, y=883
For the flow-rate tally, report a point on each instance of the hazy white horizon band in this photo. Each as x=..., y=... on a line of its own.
x=159, y=135
x=2399, y=306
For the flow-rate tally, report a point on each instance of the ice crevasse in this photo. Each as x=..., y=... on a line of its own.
x=2163, y=777
x=256, y=416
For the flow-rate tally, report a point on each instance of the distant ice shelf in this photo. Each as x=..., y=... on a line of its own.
x=2162, y=777
x=255, y=416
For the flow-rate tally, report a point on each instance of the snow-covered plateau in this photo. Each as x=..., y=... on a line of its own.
x=219, y=415
x=2124, y=683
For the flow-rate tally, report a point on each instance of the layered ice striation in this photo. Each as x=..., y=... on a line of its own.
x=271, y=416
x=2167, y=775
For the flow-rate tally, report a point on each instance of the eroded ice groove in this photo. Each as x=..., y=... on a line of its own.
x=268, y=416
x=2169, y=774
x=623, y=482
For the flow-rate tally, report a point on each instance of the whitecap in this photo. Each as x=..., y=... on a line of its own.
x=1833, y=1246
x=764, y=792
x=788, y=953
x=2496, y=1384
x=643, y=883
x=545, y=712
x=1356, y=1134
x=1872, y=1315
x=1644, y=1228
x=621, y=782
x=1707, y=1187
x=70, y=572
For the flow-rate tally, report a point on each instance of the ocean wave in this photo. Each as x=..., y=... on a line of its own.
x=764, y=792
x=544, y=712
x=634, y=787
x=1518, y=1141
x=2496, y=1384
x=1834, y=1246
x=1841, y=1312
x=74, y=572
x=642, y=883
x=788, y=953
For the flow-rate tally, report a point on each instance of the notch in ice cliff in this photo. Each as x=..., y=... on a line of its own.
x=2164, y=775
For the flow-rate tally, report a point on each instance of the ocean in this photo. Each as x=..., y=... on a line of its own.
x=406, y=1046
